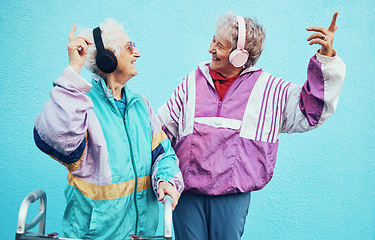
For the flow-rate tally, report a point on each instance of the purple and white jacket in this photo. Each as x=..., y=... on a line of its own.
x=230, y=146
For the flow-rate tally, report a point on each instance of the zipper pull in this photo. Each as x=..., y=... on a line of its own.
x=218, y=109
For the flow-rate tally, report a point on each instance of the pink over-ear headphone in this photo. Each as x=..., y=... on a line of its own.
x=239, y=56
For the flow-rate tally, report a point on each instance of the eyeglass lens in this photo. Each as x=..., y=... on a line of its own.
x=131, y=46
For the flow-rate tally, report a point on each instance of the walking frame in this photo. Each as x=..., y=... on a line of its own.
x=22, y=232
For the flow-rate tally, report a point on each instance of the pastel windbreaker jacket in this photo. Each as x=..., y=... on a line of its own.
x=112, y=160
x=230, y=146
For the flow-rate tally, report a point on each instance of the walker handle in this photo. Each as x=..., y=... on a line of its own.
x=40, y=218
x=168, y=217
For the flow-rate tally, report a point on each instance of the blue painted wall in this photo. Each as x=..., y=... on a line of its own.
x=323, y=182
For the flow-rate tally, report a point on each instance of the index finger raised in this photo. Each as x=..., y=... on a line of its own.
x=332, y=26
x=72, y=31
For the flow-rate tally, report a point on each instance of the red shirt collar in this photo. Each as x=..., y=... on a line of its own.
x=221, y=83
x=218, y=77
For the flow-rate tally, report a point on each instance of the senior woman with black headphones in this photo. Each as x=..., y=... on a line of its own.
x=224, y=121
x=109, y=140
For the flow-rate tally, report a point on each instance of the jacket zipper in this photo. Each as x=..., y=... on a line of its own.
x=219, y=108
x=135, y=171
x=220, y=104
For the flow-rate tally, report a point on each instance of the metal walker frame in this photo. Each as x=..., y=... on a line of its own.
x=22, y=227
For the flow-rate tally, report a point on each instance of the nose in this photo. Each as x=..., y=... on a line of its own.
x=136, y=52
x=212, y=48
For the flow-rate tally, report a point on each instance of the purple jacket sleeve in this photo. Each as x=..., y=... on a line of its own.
x=310, y=105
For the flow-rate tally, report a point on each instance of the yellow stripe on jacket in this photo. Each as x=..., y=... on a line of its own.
x=157, y=139
x=111, y=191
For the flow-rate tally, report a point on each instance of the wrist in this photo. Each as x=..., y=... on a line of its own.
x=76, y=69
x=328, y=53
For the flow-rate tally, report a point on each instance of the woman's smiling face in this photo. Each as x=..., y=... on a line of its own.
x=220, y=48
x=127, y=58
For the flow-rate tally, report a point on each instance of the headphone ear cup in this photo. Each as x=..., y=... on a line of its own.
x=106, y=61
x=238, y=57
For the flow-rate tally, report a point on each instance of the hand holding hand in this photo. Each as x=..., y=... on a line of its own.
x=324, y=37
x=77, y=50
x=167, y=188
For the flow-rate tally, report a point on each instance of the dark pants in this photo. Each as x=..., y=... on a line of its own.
x=204, y=217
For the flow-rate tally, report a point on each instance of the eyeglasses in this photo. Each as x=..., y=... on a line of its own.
x=131, y=44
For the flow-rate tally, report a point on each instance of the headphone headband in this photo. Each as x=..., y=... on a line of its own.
x=239, y=56
x=241, y=32
x=98, y=39
x=106, y=60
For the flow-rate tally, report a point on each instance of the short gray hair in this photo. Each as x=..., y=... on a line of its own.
x=112, y=41
x=227, y=27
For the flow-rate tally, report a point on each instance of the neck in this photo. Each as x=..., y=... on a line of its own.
x=235, y=71
x=116, y=85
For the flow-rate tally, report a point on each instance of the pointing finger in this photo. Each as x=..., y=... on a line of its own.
x=71, y=34
x=332, y=27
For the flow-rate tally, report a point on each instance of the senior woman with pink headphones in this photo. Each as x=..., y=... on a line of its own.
x=224, y=121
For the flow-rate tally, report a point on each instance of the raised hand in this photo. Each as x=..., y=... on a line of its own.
x=324, y=37
x=77, y=50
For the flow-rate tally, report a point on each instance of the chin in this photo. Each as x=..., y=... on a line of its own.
x=213, y=65
x=134, y=71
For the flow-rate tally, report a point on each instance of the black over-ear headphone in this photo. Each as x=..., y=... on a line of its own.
x=105, y=59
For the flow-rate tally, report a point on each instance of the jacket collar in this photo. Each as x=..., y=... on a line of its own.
x=203, y=67
x=101, y=87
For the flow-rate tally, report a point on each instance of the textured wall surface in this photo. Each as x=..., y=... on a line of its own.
x=323, y=182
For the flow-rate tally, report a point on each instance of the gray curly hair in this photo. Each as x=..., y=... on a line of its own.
x=227, y=27
x=112, y=40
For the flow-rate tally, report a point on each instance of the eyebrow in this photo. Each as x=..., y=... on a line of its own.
x=219, y=43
